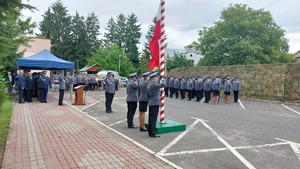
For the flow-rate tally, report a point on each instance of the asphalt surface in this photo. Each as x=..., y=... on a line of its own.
x=252, y=134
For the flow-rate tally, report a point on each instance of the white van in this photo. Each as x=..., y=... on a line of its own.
x=104, y=73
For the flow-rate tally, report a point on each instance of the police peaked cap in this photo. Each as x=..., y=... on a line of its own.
x=146, y=74
x=133, y=75
x=153, y=75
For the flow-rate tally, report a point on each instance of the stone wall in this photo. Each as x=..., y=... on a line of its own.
x=280, y=82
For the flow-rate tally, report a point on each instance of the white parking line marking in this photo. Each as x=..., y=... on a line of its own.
x=118, y=122
x=224, y=149
x=290, y=109
x=241, y=104
x=180, y=136
x=91, y=105
x=238, y=155
x=295, y=147
x=261, y=146
x=194, y=151
x=203, y=100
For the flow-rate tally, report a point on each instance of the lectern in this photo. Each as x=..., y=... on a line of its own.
x=79, y=95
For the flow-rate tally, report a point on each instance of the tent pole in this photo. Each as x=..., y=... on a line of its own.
x=71, y=88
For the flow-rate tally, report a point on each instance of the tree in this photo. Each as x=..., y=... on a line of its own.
x=148, y=36
x=144, y=65
x=120, y=31
x=109, y=58
x=178, y=61
x=110, y=36
x=243, y=36
x=92, y=25
x=133, y=35
x=56, y=25
x=13, y=32
x=72, y=37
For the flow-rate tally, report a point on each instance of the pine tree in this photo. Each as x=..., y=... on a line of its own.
x=13, y=32
x=110, y=36
x=120, y=31
x=45, y=24
x=57, y=24
x=92, y=25
x=72, y=37
x=149, y=35
x=133, y=35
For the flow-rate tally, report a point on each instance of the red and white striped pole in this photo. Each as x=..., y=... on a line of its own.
x=162, y=45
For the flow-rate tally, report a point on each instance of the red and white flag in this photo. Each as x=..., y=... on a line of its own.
x=157, y=40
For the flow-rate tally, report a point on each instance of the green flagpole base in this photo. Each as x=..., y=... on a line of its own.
x=168, y=127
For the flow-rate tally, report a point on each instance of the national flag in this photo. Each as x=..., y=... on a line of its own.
x=154, y=44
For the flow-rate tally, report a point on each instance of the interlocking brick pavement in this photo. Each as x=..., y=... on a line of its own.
x=48, y=136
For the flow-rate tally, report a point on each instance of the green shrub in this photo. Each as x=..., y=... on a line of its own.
x=2, y=92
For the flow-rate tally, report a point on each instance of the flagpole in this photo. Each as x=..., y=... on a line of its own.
x=162, y=45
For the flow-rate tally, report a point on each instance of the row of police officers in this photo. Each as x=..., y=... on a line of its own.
x=202, y=87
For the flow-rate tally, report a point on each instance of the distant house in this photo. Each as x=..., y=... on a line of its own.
x=94, y=69
x=297, y=56
x=190, y=54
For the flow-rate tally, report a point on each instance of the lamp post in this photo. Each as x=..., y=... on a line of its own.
x=77, y=66
x=119, y=64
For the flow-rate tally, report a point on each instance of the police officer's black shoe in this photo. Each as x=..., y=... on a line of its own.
x=155, y=136
x=142, y=130
x=109, y=111
x=132, y=127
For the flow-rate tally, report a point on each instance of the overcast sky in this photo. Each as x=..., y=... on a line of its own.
x=183, y=17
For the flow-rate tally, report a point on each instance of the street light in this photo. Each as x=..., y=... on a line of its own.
x=77, y=66
x=119, y=64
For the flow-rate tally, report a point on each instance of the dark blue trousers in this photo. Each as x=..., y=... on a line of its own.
x=20, y=93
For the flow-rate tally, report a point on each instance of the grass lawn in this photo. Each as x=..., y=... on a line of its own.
x=5, y=116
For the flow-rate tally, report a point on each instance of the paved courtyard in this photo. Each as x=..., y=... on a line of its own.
x=48, y=136
x=248, y=134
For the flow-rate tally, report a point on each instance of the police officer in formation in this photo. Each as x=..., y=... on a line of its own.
x=207, y=89
x=154, y=102
x=216, y=88
x=190, y=88
x=143, y=100
x=43, y=85
x=236, y=86
x=227, y=89
x=166, y=81
x=171, y=86
x=176, y=87
x=132, y=99
x=21, y=84
x=109, y=91
x=69, y=81
x=182, y=87
x=29, y=87
x=61, y=87
x=203, y=87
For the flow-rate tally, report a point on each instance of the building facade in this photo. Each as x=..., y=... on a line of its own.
x=189, y=53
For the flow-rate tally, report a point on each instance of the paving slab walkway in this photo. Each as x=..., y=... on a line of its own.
x=48, y=136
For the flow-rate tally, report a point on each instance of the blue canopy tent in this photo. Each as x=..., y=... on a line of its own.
x=44, y=60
